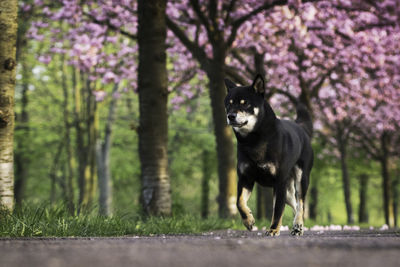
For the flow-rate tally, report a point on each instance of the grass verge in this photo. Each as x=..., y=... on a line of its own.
x=46, y=221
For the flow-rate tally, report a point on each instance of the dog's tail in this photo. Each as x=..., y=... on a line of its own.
x=304, y=118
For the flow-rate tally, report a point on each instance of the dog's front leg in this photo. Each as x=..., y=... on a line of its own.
x=244, y=192
x=279, y=207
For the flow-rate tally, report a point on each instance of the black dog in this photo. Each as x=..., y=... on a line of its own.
x=272, y=152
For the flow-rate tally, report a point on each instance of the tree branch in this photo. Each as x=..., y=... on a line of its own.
x=318, y=85
x=186, y=77
x=196, y=50
x=109, y=25
x=238, y=57
x=268, y=5
x=235, y=76
x=383, y=22
x=376, y=25
x=229, y=11
x=238, y=22
x=212, y=9
x=291, y=97
x=196, y=7
x=368, y=145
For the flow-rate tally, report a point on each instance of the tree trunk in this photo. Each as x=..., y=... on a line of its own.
x=260, y=203
x=22, y=150
x=153, y=98
x=313, y=200
x=223, y=134
x=264, y=202
x=69, y=170
x=205, y=186
x=345, y=177
x=8, y=38
x=103, y=160
x=80, y=149
x=264, y=194
x=22, y=140
x=92, y=125
x=53, y=172
x=86, y=135
x=363, y=211
x=386, y=182
x=396, y=198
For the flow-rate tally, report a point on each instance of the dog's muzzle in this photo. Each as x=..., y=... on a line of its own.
x=233, y=122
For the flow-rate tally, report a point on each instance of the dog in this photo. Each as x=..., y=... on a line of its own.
x=272, y=152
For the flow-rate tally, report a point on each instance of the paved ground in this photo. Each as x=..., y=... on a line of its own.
x=220, y=248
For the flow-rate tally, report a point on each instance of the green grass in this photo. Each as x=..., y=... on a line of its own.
x=44, y=221
x=48, y=221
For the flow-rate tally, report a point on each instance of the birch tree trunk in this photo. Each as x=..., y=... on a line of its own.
x=69, y=170
x=92, y=125
x=8, y=39
x=103, y=148
x=153, y=98
x=86, y=127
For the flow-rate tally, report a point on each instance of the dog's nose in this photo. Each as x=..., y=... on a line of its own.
x=232, y=116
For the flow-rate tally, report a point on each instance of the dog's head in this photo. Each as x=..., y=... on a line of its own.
x=244, y=105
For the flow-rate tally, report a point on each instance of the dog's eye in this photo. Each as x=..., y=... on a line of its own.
x=243, y=102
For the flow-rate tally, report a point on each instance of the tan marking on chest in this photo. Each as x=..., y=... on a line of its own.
x=270, y=167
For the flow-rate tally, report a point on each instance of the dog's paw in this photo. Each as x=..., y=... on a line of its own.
x=297, y=230
x=273, y=232
x=249, y=222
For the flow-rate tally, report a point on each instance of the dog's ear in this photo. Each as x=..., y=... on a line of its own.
x=258, y=84
x=229, y=84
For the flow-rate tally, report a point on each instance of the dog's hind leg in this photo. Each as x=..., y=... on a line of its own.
x=293, y=199
x=298, y=222
x=291, y=195
x=244, y=192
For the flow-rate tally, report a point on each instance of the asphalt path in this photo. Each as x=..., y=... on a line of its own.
x=219, y=248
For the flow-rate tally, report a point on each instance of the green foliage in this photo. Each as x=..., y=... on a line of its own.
x=190, y=134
